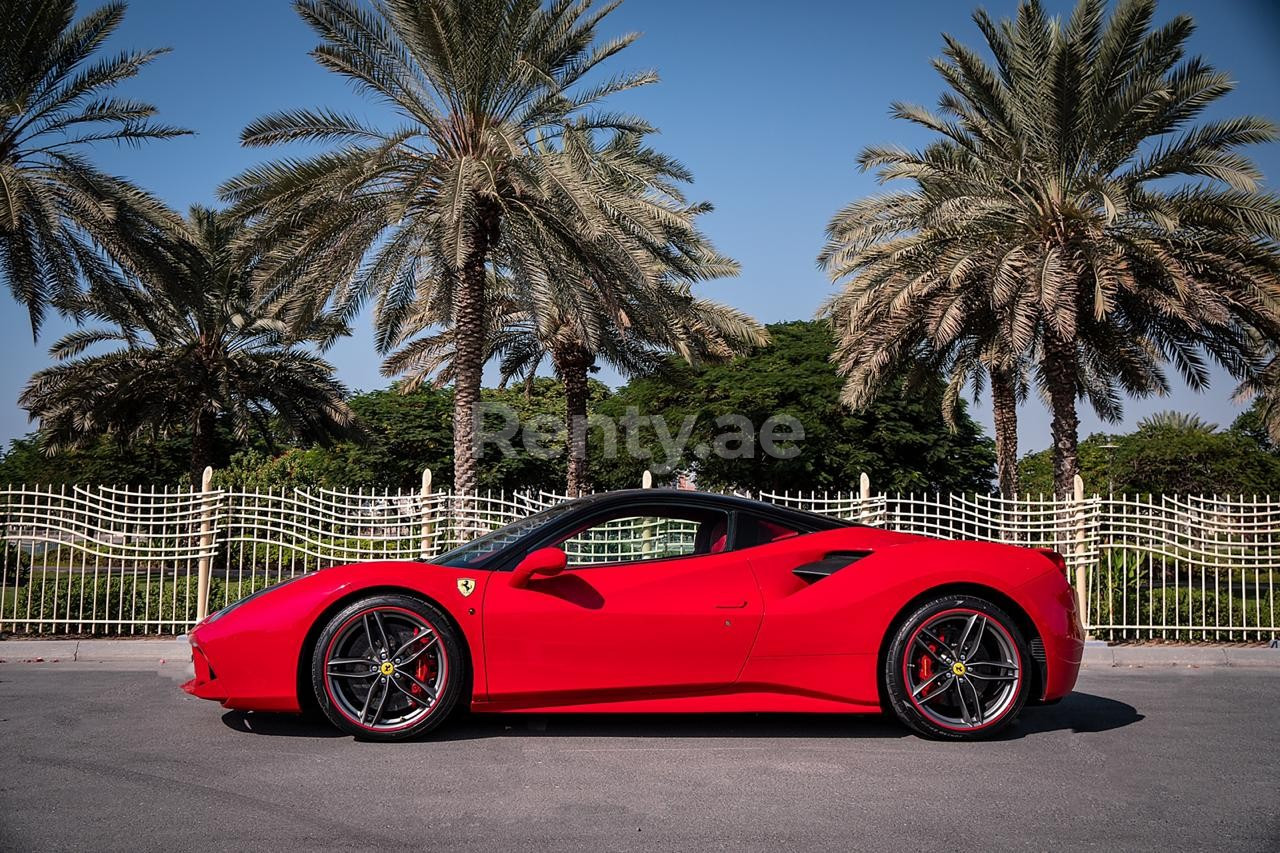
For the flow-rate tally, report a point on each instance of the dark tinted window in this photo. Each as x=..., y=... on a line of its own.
x=754, y=530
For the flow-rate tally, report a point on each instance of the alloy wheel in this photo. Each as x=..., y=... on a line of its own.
x=962, y=670
x=385, y=669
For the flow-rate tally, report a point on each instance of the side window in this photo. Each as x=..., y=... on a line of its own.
x=753, y=530
x=657, y=535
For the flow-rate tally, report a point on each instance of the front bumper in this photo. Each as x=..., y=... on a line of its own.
x=245, y=666
x=205, y=685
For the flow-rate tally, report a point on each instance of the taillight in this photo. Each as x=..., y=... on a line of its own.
x=1055, y=558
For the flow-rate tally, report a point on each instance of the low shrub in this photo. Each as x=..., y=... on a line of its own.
x=62, y=599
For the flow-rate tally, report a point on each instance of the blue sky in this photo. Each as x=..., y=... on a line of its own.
x=768, y=103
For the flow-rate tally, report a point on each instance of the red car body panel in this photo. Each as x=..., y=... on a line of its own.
x=677, y=625
x=731, y=631
x=255, y=651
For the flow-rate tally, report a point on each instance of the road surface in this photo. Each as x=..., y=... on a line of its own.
x=96, y=756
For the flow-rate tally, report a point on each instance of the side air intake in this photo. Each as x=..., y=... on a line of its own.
x=828, y=565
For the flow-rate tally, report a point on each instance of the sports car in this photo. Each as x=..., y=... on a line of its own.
x=658, y=601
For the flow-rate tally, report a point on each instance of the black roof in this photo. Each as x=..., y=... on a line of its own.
x=688, y=497
x=569, y=513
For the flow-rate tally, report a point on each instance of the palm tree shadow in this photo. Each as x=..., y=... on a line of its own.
x=1078, y=713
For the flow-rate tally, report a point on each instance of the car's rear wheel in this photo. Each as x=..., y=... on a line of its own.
x=388, y=667
x=957, y=669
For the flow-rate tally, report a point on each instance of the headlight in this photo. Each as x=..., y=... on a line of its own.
x=213, y=617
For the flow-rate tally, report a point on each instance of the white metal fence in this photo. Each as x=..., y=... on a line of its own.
x=107, y=560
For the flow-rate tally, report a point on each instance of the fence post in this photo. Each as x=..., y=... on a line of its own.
x=1082, y=547
x=646, y=536
x=426, y=513
x=206, y=544
x=864, y=497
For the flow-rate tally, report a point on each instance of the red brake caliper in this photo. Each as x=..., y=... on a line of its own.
x=926, y=668
x=424, y=671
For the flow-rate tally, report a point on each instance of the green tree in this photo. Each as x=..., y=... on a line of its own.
x=1168, y=456
x=1254, y=422
x=1264, y=390
x=543, y=452
x=197, y=350
x=394, y=436
x=900, y=440
x=1105, y=214
x=493, y=159
x=58, y=212
x=633, y=335
x=399, y=433
x=162, y=461
x=632, y=341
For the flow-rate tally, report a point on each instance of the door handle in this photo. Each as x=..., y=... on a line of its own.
x=738, y=606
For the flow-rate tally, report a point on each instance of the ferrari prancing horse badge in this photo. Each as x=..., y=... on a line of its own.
x=466, y=586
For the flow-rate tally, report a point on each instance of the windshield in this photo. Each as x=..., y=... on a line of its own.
x=479, y=550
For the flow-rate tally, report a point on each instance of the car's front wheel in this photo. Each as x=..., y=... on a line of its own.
x=957, y=669
x=388, y=667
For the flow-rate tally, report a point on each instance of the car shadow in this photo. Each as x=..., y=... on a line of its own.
x=1080, y=713
x=309, y=725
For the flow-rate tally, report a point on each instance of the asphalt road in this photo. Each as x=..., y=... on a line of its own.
x=95, y=757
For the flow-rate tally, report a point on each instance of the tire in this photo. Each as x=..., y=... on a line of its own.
x=408, y=694
x=944, y=692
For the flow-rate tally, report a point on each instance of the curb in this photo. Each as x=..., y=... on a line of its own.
x=1101, y=656
x=93, y=651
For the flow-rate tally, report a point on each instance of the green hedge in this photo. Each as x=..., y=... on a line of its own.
x=119, y=599
x=1136, y=596
x=261, y=557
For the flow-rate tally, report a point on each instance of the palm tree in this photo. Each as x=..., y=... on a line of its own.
x=640, y=331
x=919, y=300
x=1264, y=390
x=551, y=308
x=58, y=213
x=197, y=349
x=877, y=339
x=490, y=158
x=1104, y=216
x=1179, y=421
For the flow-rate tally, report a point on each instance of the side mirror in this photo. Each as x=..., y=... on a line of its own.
x=544, y=561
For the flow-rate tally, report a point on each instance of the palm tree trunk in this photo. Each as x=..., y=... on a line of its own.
x=468, y=364
x=1060, y=367
x=572, y=365
x=1004, y=404
x=202, y=436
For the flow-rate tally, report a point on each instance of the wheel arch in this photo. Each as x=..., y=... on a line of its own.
x=306, y=696
x=1002, y=600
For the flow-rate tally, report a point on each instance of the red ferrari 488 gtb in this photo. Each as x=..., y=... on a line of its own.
x=658, y=601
